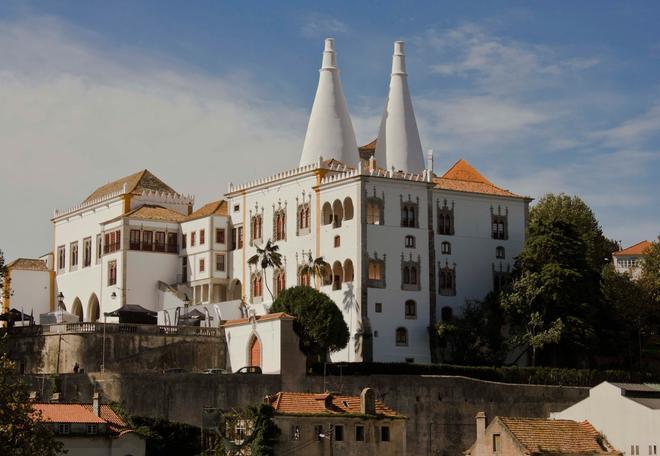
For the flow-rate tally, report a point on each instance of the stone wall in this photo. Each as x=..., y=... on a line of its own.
x=440, y=409
x=128, y=348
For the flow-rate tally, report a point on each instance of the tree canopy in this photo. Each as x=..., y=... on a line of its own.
x=319, y=322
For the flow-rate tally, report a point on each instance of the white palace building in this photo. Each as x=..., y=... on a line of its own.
x=404, y=247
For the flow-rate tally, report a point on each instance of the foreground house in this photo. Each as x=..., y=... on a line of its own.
x=630, y=259
x=91, y=429
x=538, y=437
x=328, y=423
x=628, y=413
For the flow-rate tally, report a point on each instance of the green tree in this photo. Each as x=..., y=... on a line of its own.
x=319, y=322
x=266, y=258
x=22, y=429
x=553, y=279
x=316, y=268
x=650, y=276
x=572, y=210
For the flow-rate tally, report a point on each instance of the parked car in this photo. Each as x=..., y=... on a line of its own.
x=249, y=370
x=214, y=371
x=175, y=370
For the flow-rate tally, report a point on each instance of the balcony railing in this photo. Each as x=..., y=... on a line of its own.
x=110, y=328
x=154, y=247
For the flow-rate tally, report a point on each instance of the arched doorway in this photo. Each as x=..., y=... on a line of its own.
x=254, y=352
x=77, y=309
x=93, y=310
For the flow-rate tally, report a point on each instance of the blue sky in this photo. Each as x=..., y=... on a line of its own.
x=541, y=97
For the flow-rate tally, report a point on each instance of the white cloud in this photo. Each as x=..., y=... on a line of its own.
x=75, y=116
x=632, y=131
x=316, y=25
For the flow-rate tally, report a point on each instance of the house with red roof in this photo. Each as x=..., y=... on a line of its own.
x=629, y=260
x=91, y=429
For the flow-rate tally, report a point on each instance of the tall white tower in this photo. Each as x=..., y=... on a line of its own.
x=330, y=132
x=398, y=142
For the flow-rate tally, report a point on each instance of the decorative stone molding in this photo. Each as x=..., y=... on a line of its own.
x=411, y=273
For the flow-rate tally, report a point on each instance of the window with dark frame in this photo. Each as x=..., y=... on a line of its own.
x=447, y=281
x=256, y=228
x=318, y=430
x=499, y=252
x=496, y=443
x=73, y=254
x=279, y=222
x=499, y=227
x=339, y=432
x=134, y=240
x=148, y=241
x=220, y=262
x=184, y=241
x=99, y=248
x=240, y=237
x=410, y=309
x=193, y=236
x=384, y=433
x=379, y=307
x=202, y=265
x=112, y=241
x=61, y=258
x=295, y=432
x=220, y=235
x=112, y=273
x=202, y=237
x=445, y=248
x=172, y=243
x=359, y=433
x=184, y=269
x=401, y=337
x=92, y=428
x=159, y=241
x=410, y=242
x=87, y=252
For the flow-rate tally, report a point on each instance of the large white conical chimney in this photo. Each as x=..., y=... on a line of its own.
x=330, y=132
x=398, y=142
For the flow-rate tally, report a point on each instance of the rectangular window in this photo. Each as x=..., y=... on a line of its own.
x=237, y=207
x=184, y=241
x=339, y=433
x=92, y=428
x=359, y=433
x=496, y=443
x=337, y=241
x=99, y=248
x=202, y=265
x=134, y=240
x=147, y=240
x=192, y=238
x=172, y=243
x=379, y=307
x=220, y=235
x=295, y=432
x=184, y=269
x=240, y=237
x=159, y=244
x=202, y=237
x=63, y=428
x=112, y=241
x=112, y=273
x=318, y=430
x=74, y=254
x=87, y=252
x=499, y=227
x=384, y=433
x=220, y=262
x=61, y=258
x=234, y=238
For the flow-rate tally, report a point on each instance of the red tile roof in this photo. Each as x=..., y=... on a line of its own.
x=368, y=150
x=462, y=177
x=557, y=437
x=153, y=212
x=28, y=264
x=214, y=208
x=638, y=249
x=267, y=317
x=81, y=413
x=287, y=403
x=135, y=183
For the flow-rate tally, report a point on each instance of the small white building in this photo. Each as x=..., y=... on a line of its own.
x=629, y=260
x=628, y=414
x=27, y=287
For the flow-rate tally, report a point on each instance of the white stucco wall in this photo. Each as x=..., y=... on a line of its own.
x=623, y=421
x=239, y=338
x=30, y=291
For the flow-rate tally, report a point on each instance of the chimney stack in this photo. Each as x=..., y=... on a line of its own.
x=96, y=405
x=429, y=160
x=481, y=425
x=368, y=402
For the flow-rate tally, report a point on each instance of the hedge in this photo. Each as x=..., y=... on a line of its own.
x=506, y=374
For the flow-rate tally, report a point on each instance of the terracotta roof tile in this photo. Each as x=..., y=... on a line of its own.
x=81, y=413
x=153, y=212
x=267, y=317
x=28, y=264
x=287, y=403
x=368, y=150
x=214, y=208
x=462, y=177
x=135, y=183
x=565, y=437
x=638, y=249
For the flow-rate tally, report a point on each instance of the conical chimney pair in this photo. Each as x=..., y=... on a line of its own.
x=330, y=131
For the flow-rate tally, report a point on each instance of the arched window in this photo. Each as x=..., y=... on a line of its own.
x=337, y=275
x=304, y=279
x=410, y=242
x=348, y=271
x=254, y=351
x=411, y=309
x=409, y=214
x=447, y=313
x=445, y=248
x=256, y=225
x=375, y=211
x=77, y=309
x=402, y=337
x=303, y=219
x=279, y=225
x=327, y=214
x=327, y=274
x=499, y=252
x=280, y=281
x=235, y=290
x=337, y=214
x=348, y=209
x=256, y=285
x=445, y=218
x=406, y=275
x=413, y=275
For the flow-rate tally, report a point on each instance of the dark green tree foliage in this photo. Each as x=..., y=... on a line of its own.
x=319, y=322
x=650, y=277
x=167, y=438
x=22, y=430
x=554, y=268
x=266, y=432
x=574, y=211
x=475, y=337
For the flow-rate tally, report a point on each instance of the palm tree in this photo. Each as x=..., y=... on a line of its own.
x=267, y=257
x=315, y=267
